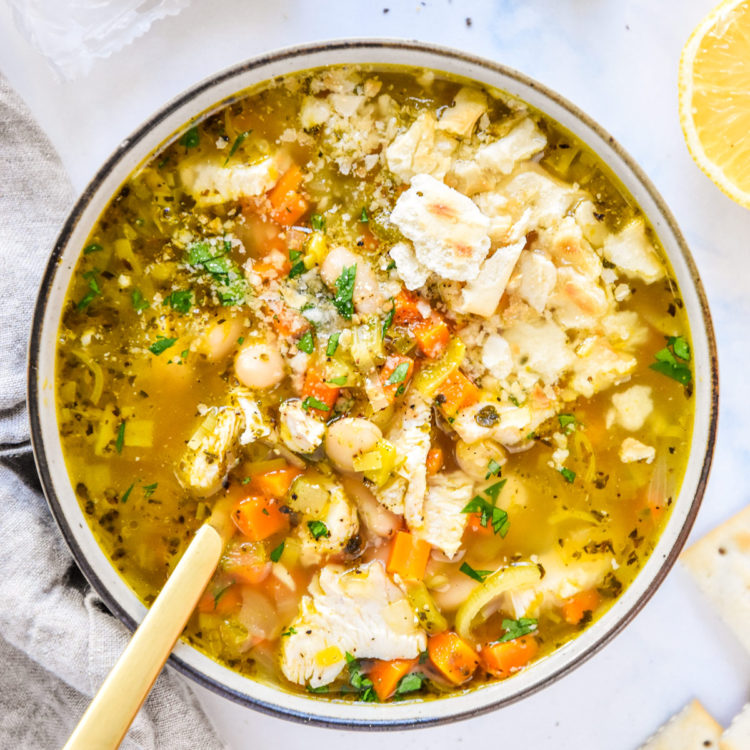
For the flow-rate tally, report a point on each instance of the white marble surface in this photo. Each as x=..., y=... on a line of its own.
x=617, y=59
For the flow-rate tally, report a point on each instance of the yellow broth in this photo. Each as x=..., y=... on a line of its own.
x=146, y=348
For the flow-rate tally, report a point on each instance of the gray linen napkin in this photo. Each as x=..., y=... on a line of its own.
x=57, y=640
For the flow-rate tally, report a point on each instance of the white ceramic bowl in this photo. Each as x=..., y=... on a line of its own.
x=213, y=94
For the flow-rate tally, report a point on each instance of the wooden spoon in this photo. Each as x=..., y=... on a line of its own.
x=111, y=712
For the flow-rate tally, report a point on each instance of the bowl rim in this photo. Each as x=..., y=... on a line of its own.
x=184, y=98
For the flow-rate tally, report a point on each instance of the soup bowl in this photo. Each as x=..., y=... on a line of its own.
x=209, y=96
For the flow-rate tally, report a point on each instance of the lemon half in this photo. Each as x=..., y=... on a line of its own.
x=714, y=97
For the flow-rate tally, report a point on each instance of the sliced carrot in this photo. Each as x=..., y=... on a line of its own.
x=288, y=205
x=386, y=371
x=456, y=392
x=452, y=656
x=408, y=556
x=257, y=517
x=502, y=659
x=434, y=460
x=275, y=483
x=385, y=676
x=432, y=335
x=316, y=387
x=575, y=607
x=222, y=601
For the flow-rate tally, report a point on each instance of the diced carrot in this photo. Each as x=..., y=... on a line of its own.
x=407, y=310
x=452, y=656
x=455, y=393
x=391, y=363
x=288, y=183
x=475, y=525
x=575, y=607
x=273, y=265
x=408, y=556
x=257, y=517
x=385, y=676
x=221, y=601
x=286, y=321
x=434, y=460
x=291, y=210
x=275, y=483
x=288, y=205
x=432, y=335
x=316, y=387
x=502, y=659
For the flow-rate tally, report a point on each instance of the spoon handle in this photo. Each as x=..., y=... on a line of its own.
x=108, y=717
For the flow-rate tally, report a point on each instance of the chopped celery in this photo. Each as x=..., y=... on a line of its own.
x=425, y=609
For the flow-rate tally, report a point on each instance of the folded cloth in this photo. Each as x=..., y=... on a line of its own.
x=57, y=639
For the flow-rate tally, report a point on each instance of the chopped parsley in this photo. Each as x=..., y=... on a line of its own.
x=149, y=489
x=494, y=490
x=493, y=469
x=289, y=631
x=318, y=529
x=120, y=441
x=191, y=138
x=477, y=575
x=357, y=679
x=237, y=143
x=94, y=290
x=228, y=281
x=516, y=628
x=161, y=344
x=277, y=552
x=568, y=475
x=320, y=689
x=318, y=223
x=126, y=494
x=297, y=269
x=340, y=380
x=345, y=292
x=94, y=247
x=181, y=301
x=363, y=217
x=567, y=422
x=410, y=683
x=673, y=359
x=333, y=344
x=306, y=343
x=139, y=302
x=313, y=403
x=398, y=375
x=388, y=322
x=489, y=514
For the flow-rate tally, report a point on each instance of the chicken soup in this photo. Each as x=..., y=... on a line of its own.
x=420, y=346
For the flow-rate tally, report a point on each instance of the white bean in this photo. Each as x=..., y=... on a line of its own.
x=221, y=338
x=377, y=519
x=367, y=297
x=474, y=458
x=348, y=438
x=259, y=365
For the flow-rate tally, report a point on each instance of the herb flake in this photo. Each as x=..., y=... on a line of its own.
x=318, y=529
x=477, y=575
x=516, y=628
x=345, y=292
